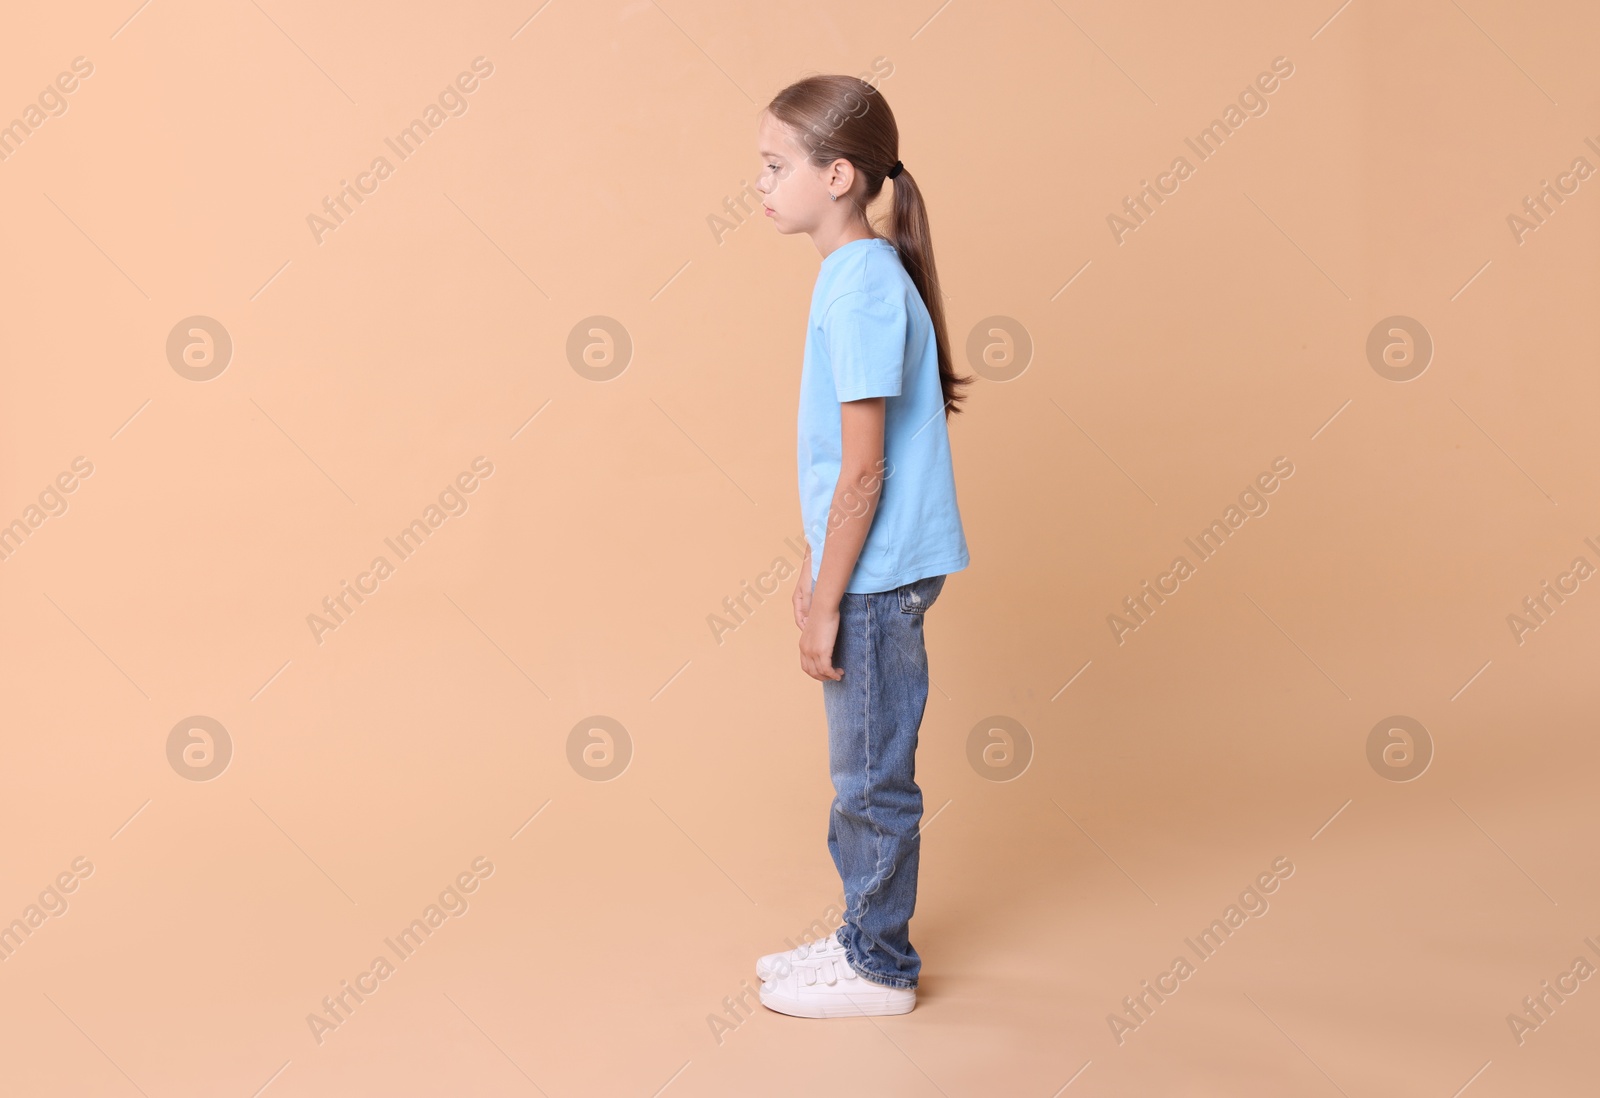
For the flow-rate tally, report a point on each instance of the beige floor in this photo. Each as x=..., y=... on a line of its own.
x=594, y=956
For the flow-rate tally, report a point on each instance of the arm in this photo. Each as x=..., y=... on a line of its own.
x=855, y=505
x=866, y=341
x=802, y=591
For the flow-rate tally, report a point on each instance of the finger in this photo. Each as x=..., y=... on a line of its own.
x=820, y=669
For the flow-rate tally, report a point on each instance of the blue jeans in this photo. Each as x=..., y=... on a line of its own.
x=874, y=713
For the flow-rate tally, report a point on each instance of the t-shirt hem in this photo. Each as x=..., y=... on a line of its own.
x=863, y=393
x=871, y=586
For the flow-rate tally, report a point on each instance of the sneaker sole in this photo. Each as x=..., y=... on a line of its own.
x=871, y=1004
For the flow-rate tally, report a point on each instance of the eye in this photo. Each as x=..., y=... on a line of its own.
x=774, y=167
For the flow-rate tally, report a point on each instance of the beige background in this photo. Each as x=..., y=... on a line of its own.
x=432, y=726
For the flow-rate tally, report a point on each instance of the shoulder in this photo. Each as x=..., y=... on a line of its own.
x=863, y=308
x=872, y=282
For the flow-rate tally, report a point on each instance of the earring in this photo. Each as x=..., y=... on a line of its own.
x=833, y=198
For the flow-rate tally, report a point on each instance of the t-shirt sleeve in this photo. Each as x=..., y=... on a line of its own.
x=866, y=341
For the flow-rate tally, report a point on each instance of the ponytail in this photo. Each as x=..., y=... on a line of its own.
x=908, y=232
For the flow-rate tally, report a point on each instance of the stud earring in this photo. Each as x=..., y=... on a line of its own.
x=833, y=198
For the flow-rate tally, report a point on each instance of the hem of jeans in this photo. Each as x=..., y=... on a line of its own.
x=873, y=977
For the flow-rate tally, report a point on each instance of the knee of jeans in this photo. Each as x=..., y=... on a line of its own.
x=893, y=803
x=850, y=791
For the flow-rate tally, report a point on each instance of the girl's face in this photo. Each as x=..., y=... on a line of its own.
x=794, y=192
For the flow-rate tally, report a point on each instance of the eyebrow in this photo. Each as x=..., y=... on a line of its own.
x=778, y=156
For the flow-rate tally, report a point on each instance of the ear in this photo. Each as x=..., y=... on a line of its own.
x=843, y=172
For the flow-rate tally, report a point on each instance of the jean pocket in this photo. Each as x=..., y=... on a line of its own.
x=918, y=595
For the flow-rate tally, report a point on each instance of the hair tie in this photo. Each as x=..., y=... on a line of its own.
x=894, y=171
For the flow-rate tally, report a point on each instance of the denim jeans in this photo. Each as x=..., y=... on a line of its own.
x=874, y=713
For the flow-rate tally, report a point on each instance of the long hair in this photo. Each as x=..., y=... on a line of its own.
x=846, y=117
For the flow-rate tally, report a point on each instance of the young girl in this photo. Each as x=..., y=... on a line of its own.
x=878, y=499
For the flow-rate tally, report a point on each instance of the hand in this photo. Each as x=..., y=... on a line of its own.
x=817, y=638
x=802, y=595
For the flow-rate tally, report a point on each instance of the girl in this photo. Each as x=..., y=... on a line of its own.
x=878, y=499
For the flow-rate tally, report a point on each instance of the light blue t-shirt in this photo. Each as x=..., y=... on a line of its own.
x=869, y=335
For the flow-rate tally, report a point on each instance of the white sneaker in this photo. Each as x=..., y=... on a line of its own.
x=775, y=963
x=827, y=987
